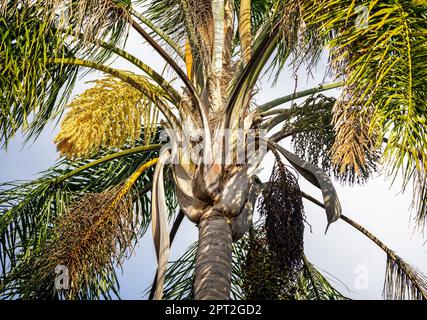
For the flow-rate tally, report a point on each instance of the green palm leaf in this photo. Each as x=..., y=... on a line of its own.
x=33, y=90
x=382, y=62
x=29, y=212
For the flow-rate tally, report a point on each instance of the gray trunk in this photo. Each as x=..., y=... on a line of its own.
x=213, y=261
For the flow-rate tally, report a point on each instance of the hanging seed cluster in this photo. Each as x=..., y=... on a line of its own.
x=281, y=204
x=262, y=278
x=317, y=135
x=315, y=140
x=96, y=233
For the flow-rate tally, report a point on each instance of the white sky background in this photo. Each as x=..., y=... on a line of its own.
x=343, y=251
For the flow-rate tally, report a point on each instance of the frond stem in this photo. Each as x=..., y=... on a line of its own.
x=165, y=85
x=201, y=108
x=113, y=156
x=249, y=75
x=159, y=32
x=390, y=253
x=296, y=95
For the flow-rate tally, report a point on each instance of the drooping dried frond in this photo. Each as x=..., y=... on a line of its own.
x=313, y=138
x=403, y=281
x=281, y=204
x=419, y=201
x=108, y=114
x=354, y=148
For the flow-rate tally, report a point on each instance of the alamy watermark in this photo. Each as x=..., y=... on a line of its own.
x=361, y=282
x=362, y=20
x=228, y=146
x=62, y=278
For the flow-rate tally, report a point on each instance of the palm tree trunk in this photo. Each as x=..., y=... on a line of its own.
x=213, y=261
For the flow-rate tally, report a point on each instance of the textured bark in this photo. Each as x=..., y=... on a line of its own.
x=213, y=261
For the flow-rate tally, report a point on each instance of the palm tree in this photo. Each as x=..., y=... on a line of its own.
x=118, y=174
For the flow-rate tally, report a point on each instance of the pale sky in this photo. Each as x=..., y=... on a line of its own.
x=343, y=252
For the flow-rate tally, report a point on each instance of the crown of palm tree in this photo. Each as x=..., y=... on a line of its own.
x=90, y=209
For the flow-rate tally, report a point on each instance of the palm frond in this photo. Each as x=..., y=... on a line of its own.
x=299, y=43
x=402, y=281
x=419, y=201
x=159, y=34
x=382, y=63
x=27, y=85
x=169, y=15
x=313, y=139
x=184, y=19
x=312, y=285
x=33, y=33
x=29, y=211
x=179, y=277
x=92, y=18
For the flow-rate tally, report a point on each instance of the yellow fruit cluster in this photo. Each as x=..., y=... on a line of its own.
x=106, y=115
